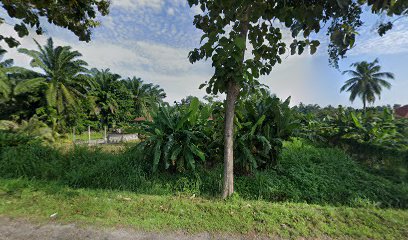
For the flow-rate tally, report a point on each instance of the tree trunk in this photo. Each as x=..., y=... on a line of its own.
x=364, y=105
x=232, y=96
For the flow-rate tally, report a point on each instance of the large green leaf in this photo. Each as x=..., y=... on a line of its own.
x=197, y=152
x=193, y=109
x=257, y=124
x=240, y=42
x=156, y=155
x=356, y=122
x=190, y=159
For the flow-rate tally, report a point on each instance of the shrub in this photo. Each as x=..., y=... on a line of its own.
x=25, y=132
x=375, y=138
x=175, y=138
x=32, y=161
x=263, y=123
x=321, y=175
x=9, y=139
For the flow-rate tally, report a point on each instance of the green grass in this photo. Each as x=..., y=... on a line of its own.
x=304, y=174
x=84, y=136
x=38, y=200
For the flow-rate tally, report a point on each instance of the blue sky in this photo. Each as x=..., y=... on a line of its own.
x=151, y=39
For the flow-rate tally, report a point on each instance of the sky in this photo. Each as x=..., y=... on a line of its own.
x=151, y=39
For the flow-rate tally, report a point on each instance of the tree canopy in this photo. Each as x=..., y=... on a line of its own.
x=228, y=26
x=78, y=16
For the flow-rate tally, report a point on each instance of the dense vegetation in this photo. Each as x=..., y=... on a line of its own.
x=252, y=146
x=303, y=174
x=283, y=153
x=65, y=94
x=182, y=153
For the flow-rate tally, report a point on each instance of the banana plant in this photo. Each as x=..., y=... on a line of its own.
x=370, y=127
x=174, y=138
x=263, y=123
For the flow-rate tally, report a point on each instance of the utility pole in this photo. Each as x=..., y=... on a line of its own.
x=89, y=134
x=105, y=137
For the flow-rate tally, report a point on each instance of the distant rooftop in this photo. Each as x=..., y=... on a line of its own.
x=401, y=111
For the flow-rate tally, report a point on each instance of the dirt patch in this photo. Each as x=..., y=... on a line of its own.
x=17, y=229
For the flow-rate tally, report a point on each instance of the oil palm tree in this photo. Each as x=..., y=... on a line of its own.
x=103, y=97
x=146, y=97
x=4, y=79
x=63, y=74
x=367, y=81
x=15, y=81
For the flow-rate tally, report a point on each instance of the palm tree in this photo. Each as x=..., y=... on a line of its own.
x=63, y=74
x=15, y=81
x=367, y=81
x=103, y=96
x=146, y=97
x=4, y=79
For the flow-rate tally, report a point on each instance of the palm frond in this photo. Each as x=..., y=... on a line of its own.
x=28, y=85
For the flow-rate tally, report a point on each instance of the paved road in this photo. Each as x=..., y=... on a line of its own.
x=16, y=229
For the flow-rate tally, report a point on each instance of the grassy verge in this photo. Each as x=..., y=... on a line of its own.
x=304, y=174
x=38, y=200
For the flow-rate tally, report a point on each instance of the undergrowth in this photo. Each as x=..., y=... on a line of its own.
x=304, y=174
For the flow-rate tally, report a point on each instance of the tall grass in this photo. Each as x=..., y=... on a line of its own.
x=304, y=174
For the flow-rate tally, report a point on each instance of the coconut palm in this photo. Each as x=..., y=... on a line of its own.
x=367, y=81
x=63, y=74
x=146, y=97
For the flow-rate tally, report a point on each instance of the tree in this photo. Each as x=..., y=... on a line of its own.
x=16, y=81
x=106, y=86
x=366, y=82
x=63, y=74
x=79, y=16
x=146, y=97
x=228, y=25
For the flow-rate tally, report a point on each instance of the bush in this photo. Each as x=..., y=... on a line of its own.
x=33, y=128
x=263, y=122
x=321, y=175
x=9, y=139
x=79, y=167
x=33, y=161
x=175, y=138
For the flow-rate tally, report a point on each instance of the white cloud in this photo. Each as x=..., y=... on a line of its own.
x=196, y=10
x=170, y=11
x=158, y=63
x=138, y=4
x=394, y=41
x=108, y=22
x=155, y=47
